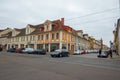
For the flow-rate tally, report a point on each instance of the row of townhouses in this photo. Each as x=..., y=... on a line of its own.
x=49, y=35
x=116, y=33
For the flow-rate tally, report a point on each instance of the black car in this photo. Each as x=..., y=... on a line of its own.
x=0, y=49
x=60, y=53
x=39, y=51
x=11, y=50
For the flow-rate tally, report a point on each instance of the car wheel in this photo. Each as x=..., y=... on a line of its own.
x=68, y=55
x=52, y=56
x=60, y=55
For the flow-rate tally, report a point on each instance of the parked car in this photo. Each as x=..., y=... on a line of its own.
x=11, y=50
x=83, y=52
x=92, y=51
x=104, y=54
x=60, y=53
x=38, y=51
x=27, y=50
x=77, y=52
x=19, y=50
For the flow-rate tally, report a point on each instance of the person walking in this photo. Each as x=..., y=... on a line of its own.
x=0, y=48
x=110, y=53
x=100, y=51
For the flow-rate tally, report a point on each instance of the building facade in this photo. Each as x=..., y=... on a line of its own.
x=4, y=38
x=55, y=35
x=116, y=33
x=50, y=35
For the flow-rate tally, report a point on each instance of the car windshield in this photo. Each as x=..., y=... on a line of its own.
x=29, y=49
x=56, y=51
x=40, y=49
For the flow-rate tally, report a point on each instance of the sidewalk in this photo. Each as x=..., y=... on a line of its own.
x=93, y=55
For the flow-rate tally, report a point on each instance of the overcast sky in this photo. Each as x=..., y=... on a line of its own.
x=94, y=17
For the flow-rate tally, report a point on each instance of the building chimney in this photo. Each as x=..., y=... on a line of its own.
x=62, y=21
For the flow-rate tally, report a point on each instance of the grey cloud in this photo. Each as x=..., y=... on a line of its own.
x=19, y=13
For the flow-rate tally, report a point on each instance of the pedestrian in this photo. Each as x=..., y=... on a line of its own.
x=100, y=52
x=0, y=48
x=110, y=53
x=116, y=52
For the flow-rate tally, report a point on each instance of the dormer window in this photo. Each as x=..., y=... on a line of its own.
x=52, y=27
x=13, y=33
x=27, y=30
x=47, y=27
x=40, y=29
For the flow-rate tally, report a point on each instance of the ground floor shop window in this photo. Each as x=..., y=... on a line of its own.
x=40, y=46
x=54, y=46
x=31, y=45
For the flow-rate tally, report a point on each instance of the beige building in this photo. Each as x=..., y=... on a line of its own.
x=81, y=41
x=4, y=38
x=50, y=35
x=23, y=38
x=116, y=33
x=98, y=44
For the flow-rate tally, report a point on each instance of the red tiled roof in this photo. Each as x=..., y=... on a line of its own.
x=17, y=29
x=9, y=34
x=22, y=32
x=56, y=25
x=38, y=28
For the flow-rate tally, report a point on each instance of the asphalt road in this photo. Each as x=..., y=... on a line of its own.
x=43, y=67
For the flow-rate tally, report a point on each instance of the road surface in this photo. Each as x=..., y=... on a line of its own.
x=42, y=67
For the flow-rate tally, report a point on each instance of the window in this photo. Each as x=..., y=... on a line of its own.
x=23, y=38
x=18, y=39
x=14, y=33
x=57, y=35
x=27, y=38
x=65, y=36
x=47, y=27
x=38, y=37
x=47, y=36
x=33, y=38
x=72, y=38
x=42, y=37
x=52, y=35
x=53, y=25
x=30, y=38
x=27, y=30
